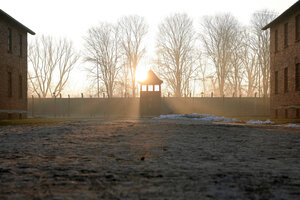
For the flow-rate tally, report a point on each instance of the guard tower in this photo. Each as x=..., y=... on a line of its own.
x=150, y=95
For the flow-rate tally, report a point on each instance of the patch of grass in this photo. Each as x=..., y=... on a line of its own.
x=31, y=121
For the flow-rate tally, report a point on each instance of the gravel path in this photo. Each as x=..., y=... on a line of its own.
x=148, y=159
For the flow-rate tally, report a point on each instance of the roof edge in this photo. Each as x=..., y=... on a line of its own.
x=15, y=21
x=283, y=15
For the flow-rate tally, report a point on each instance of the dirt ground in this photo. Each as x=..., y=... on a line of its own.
x=148, y=159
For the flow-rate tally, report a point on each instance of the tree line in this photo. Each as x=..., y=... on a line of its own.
x=222, y=57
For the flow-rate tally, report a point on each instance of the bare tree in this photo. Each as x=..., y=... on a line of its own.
x=134, y=30
x=262, y=45
x=175, y=50
x=249, y=62
x=202, y=69
x=237, y=69
x=102, y=45
x=124, y=79
x=52, y=61
x=219, y=34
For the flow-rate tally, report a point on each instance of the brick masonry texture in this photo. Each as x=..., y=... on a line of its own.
x=17, y=65
x=285, y=104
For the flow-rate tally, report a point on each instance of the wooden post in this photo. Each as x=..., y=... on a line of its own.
x=223, y=110
x=32, y=109
x=255, y=104
x=68, y=105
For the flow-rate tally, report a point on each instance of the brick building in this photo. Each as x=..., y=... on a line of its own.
x=285, y=63
x=13, y=67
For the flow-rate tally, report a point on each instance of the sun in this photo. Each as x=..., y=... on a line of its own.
x=141, y=73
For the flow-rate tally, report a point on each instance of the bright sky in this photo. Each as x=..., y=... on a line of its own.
x=72, y=18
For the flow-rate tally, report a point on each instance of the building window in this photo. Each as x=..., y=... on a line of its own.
x=144, y=88
x=297, y=27
x=9, y=84
x=150, y=88
x=286, y=34
x=276, y=82
x=297, y=77
x=276, y=40
x=9, y=41
x=285, y=82
x=20, y=87
x=20, y=45
x=156, y=88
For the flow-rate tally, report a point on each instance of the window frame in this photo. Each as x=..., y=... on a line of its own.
x=144, y=88
x=150, y=88
x=286, y=35
x=20, y=87
x=9, y=40
x=276, y=82
x=9, y=84
x=20, y=45
x=276, y=41
x=297, y=77
x=286, y=80
x=297, y=28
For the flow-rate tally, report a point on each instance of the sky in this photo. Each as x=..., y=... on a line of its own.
x=72, y=18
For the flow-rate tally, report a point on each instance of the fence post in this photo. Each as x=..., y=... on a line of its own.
x=240, y=105
x=255, y=104
x=54, y=105
x=32, y=109
x=223, y=110
x=68, y=105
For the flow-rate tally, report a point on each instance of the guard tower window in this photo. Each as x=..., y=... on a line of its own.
x=156, y=88
x=150, y=88
x=144, y=88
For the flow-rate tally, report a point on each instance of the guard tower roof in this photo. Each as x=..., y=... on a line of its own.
x=151, y=79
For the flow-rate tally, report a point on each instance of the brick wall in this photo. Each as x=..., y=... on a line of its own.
x=284, y=104
x=17, y=65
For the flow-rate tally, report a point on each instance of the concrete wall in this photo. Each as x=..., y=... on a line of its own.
x=129, y=107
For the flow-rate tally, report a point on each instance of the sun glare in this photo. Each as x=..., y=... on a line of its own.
x=141, y=73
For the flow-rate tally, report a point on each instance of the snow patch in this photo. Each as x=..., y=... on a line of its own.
x=260, y=122
x=293, y=125
x=196, y=116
